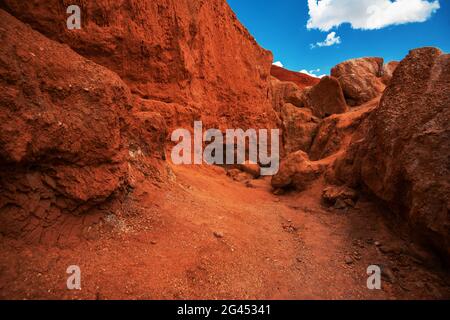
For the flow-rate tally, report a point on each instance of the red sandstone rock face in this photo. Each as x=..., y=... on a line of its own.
x=74, y=132
x=192, y=53
x=61, y=122
x=300, y=79
x=401, y=153
x=360, y=79
x=299, y=128
x=335, y=133
x=285, y=92
x=326, y=98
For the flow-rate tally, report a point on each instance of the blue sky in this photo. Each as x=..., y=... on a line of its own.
x=281, y=26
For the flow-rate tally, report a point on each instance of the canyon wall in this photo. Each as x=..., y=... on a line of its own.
x=193, y=54
x=86, y=113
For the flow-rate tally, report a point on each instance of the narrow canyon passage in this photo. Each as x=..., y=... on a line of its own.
x=96, y=115
x=203, y=235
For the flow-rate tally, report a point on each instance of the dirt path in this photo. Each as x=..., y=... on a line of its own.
x=211, y=237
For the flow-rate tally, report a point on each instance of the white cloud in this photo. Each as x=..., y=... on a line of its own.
x=368, y=14
x=278, y=64
x=313, y=73
x=329, y=41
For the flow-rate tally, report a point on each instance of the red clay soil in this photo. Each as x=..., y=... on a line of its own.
x=300, y=79
x=203, y=235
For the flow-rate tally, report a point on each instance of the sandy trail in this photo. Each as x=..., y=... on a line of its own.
x=209, y=237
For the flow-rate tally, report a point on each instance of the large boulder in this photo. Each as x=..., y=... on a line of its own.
x=361, y=79
x=401, y=153
x=285, y=92
x=299, y=128
x=62, y=148
x=326, y=98
x=297, y=171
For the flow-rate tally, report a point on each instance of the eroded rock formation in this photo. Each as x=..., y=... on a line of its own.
x=86, y=113
x=192, y=53
x=401, y=153
x=61, y=142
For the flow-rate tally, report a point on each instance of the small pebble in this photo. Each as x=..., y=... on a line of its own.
x=349, y=260
x=218, y=235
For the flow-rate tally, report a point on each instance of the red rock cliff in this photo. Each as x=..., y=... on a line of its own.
x=191, y=53
x=85, y=112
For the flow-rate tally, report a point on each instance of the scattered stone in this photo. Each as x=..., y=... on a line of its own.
x=392, y=249
x=349, y=260
x=278, y=192
x=340, y=204
x=388, y=275
x=239, y=176
x=251, y=168
x=218, y=235
x=290, y=228
x=339, y=197
x=249, y=184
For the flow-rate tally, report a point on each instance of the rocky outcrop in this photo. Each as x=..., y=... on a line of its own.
x=326, y=98
x=335, y=132
x=285, y=92
x=401, y=153
x=300, y=79
x=299, y=128
x=62, y=147
x=195, y=54
x=361, y=79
